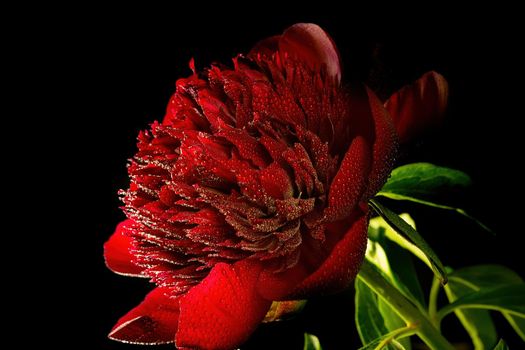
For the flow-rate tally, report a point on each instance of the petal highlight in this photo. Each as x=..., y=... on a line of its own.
x=385, y=145
x=350, y=181
x=152, y=322
x=311, y=44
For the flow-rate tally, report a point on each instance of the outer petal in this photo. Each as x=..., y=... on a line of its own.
x=350, y=181
x=312, y=45
x=154, y=321
x=323, y=268
x=385, y=145
x=224, y=309
x=419, y=106
x=117, y=252
x=341, y=266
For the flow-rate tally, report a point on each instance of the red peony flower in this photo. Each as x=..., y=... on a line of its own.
x=254, y=188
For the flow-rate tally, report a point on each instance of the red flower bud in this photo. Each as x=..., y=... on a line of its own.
x=419, y=106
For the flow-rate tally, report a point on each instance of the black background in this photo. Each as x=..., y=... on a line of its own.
x=123, y=68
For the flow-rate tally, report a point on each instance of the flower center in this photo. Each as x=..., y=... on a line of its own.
x=199, y=198
x=236, y=170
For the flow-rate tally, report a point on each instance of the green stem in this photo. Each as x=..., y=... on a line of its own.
x=432, y=302
x=406, y=310
x=400, y=333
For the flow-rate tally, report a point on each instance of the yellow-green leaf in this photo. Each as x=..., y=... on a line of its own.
x=501, y=345
x=311, y=342
x=281, y=310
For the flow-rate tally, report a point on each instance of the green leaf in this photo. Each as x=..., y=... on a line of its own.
x=501, y=345
x=391, y=340
x=394, y=261
x=425, y=183
x=485, y=276
x=369, y=321
x=393, y=321
x=396, y=268
x=508, y=298
x=488, y=276
x=417, y=320
x=311, y=342
x=410, y=239
x=375, y=318
x=477, y=323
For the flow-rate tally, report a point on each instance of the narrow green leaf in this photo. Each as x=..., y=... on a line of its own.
x=488, y=276
x=508, y=298
x=501, y=345
x=477, y=323
x=396, y=265
x=426, y=183
x=311, y=342
x=395, y=272
x=517, y=323
x=393, y=260
x=391, y=340
x=410, y=239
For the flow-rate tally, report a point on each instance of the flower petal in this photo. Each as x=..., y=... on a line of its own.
x=341, y=266
x=117, y=252
x=350, y=181
x=224, y=309
x=340, y=254
x=418, y=106
x=277, y=285
x=312, y=45
x=385, y=145
x=152, y=322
